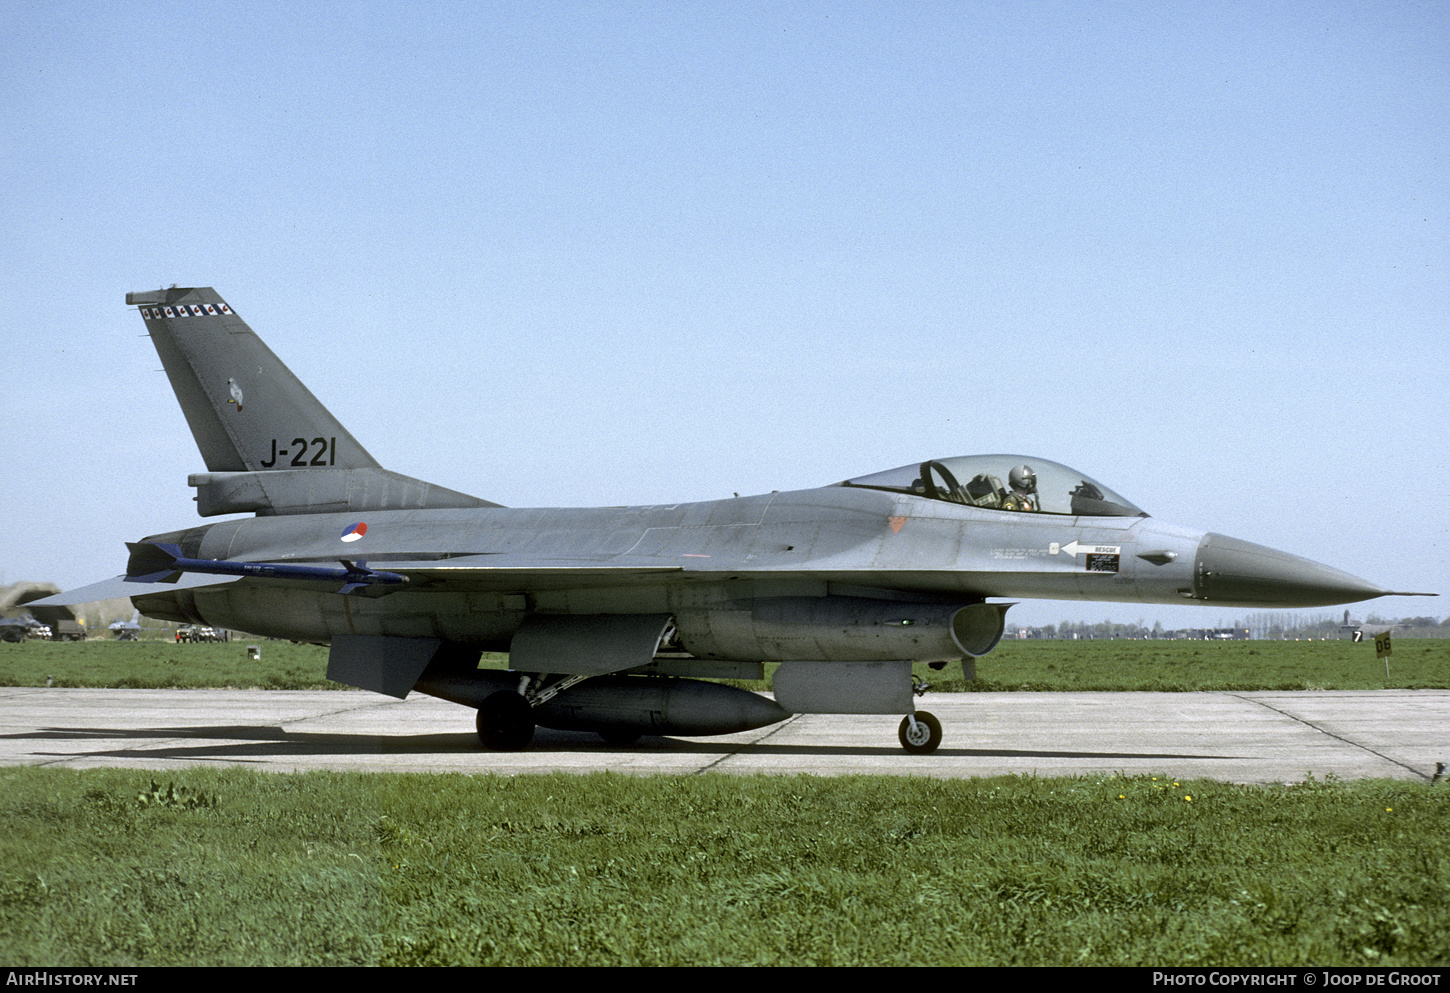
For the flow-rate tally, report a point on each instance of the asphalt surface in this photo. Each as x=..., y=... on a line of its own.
x=1266, y=737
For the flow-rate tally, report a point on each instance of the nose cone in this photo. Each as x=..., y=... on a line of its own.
x=1241, y=574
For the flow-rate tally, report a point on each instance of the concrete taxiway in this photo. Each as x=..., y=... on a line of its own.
x=1238, y=737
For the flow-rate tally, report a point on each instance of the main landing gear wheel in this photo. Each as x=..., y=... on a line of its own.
x=506, y=722
x=922, y=736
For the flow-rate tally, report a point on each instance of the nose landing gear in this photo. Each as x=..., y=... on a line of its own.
x=920, y=733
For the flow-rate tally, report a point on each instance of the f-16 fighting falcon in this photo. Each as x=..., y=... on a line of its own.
x=615, y=619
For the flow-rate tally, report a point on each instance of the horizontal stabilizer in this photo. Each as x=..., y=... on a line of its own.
x=122, y=586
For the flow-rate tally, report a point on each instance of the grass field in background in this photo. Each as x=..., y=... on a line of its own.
x=1420, y=663
x=1015, y=665
x=230, y=866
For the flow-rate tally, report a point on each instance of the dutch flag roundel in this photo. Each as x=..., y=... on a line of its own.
x=355, y=531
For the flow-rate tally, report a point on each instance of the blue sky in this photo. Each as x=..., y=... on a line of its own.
x=605, y=253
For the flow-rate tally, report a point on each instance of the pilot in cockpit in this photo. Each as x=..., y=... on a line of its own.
x=1023, y=495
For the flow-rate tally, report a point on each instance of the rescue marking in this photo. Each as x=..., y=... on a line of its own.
x=1096, y=558
x=1073, y=548
x=897, y=523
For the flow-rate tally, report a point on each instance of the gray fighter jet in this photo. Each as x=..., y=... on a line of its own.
x=607, y=613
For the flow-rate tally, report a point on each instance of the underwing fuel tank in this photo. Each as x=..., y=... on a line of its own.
x=643, y=704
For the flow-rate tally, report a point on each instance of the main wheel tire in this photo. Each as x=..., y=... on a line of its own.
x=506, y=722
x=925, y=738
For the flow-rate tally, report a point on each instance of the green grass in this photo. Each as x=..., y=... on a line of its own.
x=283, y=665
x=109, y=867
x=165, y=664
x=1014, y=665
x=1421, y=663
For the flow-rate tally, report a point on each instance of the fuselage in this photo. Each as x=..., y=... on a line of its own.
x=679, y=558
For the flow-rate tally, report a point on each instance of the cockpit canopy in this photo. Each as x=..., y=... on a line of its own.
x=1019, y=483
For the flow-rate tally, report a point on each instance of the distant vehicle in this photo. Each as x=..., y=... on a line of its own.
x=603, y=610
x=195, y=633
x=17, y=629
x=64, y=630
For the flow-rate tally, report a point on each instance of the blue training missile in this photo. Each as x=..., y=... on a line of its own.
x=152, y=562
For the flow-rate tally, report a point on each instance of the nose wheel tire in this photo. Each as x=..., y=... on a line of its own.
x=921, y=736
x=506, y=722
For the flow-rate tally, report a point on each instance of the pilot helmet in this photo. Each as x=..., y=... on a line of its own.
x=1023, y=479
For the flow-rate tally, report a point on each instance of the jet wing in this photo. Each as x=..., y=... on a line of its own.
x=488, y=573
x=473, y=573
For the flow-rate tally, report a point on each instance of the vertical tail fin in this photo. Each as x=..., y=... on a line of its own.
x=270, y=446
x=247, y=411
